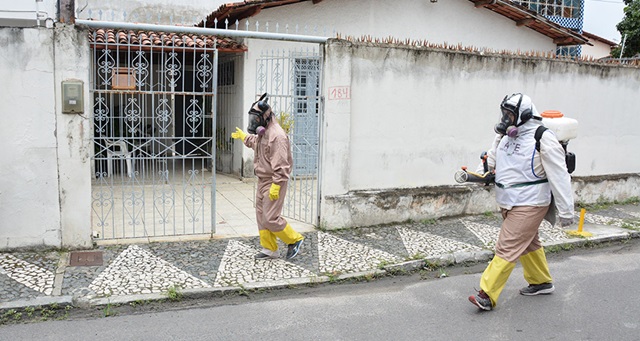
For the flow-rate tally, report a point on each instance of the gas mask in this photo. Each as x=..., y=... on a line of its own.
x=509, y=116
x=507, y=125
x=257, y=121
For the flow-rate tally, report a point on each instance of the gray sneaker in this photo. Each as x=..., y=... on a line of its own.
x=294, y=249
x=537, y=289
x=481, y=300
x=264, y=256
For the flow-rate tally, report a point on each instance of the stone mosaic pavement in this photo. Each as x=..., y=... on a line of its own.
x=153, y=268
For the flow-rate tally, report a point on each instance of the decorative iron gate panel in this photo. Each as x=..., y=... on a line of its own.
x=154, y=124
x=292, y=80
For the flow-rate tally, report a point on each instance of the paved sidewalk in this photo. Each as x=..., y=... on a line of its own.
x=128, y=273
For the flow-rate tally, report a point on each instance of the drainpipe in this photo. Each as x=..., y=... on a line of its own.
x=201, y=30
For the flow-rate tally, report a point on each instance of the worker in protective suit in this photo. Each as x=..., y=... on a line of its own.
x=530, y=186
x=272, y=165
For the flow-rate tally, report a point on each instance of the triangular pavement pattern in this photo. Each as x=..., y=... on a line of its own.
x=137, y=271
x=430, y=245
x=487, y=234
x=602, y=220
x=629, y=212
x=551, y=233
x=238, y=267
x=27, y=274
x=336, y=255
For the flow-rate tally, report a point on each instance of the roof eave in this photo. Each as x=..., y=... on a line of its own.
x=524, y=17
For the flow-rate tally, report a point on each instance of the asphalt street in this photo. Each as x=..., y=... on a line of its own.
x=595, y=299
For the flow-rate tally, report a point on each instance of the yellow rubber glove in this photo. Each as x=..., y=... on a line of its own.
x=274, y=192
x=239, y=134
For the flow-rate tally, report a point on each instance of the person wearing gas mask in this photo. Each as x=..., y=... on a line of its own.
x=530, y=186
x=272, y=165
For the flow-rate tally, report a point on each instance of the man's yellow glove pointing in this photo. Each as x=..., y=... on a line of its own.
x=239, y=134
x=274, y=192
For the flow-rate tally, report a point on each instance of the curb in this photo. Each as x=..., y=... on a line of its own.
x=38, y=301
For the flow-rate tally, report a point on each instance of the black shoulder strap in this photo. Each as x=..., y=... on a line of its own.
x=538, y=136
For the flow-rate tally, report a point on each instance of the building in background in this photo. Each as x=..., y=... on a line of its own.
x=567, y=13
x=597, y=47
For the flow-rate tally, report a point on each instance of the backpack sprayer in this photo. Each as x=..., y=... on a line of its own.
x=564, y=129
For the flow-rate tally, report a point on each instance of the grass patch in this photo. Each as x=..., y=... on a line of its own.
x=631, y=225
x=558, y=248
x=107, y=310
x=417, y=256
x=333, y=276
x=603, y=204
x=35, y=313
x=383, y=263
x=137, y=303
x=174, y=294
x=431, y=221
x=489, y=214
x=443, y=273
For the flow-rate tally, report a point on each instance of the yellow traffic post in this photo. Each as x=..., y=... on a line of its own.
x=579, y=232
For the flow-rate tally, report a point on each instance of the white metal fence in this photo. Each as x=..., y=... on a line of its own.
x=292, y=80
x=153, y=134
x=156, y=91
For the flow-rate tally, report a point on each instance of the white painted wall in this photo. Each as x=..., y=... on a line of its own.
x=29, y=202
x=596, y=50
x=27, y=13
x=147, y=11
x=452, y=21
x=416, y=115
x=44, y=192
x=74, y=132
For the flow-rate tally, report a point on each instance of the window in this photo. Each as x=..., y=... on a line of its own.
x=558, y=8
x=567, y=51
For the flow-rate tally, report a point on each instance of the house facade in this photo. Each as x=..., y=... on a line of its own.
x=597, y=47
x=567, y=13
x=380, y=123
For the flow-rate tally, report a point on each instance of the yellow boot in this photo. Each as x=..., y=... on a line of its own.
x=536, y=273
x=495, y=277
x=289, y=235
x=269, y=245
x=292, y=238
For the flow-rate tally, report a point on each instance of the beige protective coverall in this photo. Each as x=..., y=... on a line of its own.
x=272, y=164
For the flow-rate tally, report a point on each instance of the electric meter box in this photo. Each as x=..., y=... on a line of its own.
x=72, y=97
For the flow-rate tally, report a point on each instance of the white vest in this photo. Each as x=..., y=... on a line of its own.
x=516, y=159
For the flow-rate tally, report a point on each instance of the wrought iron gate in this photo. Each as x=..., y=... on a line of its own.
x=292, y=80
x=154, y=123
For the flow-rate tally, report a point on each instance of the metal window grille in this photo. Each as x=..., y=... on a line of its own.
x=558, y=8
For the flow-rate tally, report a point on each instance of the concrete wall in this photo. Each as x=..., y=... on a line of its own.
x=44, y=192
x=415, y=115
